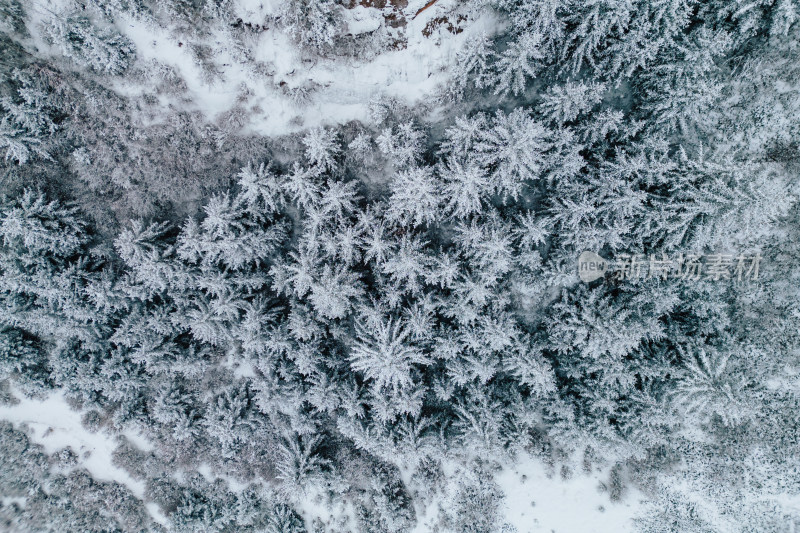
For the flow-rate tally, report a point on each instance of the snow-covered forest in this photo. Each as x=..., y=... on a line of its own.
x=312, y=266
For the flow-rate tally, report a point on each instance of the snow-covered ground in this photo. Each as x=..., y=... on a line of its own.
x=55, y=426
x=338, y=90
x=278, y=90
x=533, y=502
x=537, y=503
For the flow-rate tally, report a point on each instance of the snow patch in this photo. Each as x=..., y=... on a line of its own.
x=255, y=11
x=537, y=503
x=281, y=92
x=211, y=477
x=55, y=426
x=361, y=19
x=534, y=502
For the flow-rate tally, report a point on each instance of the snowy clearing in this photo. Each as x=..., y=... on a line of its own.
x=290, y=93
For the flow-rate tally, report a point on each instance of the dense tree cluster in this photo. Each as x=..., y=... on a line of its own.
x=360, y=306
